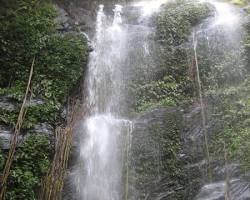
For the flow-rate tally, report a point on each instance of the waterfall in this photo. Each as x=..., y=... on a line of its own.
x=99, y=174
x=103, y=79
x=103, y=168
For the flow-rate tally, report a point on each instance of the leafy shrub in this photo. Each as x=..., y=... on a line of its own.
x=177, y=19
x=172, y=83
x=28, y=31
x=30, y=164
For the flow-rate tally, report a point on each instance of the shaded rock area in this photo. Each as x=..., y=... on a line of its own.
x=73, y=18
x=155, y=168
x=80, y=15
x=5, y=137
x=42, y=128
x=239, y=189
x=8, y=104
x=169, y=161
x=196, y=165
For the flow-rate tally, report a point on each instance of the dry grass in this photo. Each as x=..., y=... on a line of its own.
x=53, y=183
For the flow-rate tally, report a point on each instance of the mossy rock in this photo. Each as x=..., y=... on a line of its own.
x=155, y=149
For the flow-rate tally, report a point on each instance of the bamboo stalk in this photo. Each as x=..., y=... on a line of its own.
x=202, y=110
x=227, y=187
x=14, y=139
x=54, y=181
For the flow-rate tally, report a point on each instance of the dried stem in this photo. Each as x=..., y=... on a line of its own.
x=53, y=182
x=14, y=139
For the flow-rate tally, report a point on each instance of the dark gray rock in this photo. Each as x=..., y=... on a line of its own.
x=155, y=182
x=43, y=128
x=35, y=102
x=155, y=138
x=239, y=189
x=69, y=192
x=64, y=22
x=6, y=136
x=7, y=104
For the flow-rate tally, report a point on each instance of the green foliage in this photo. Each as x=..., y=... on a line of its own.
x=59, y=66
x=176, y=21
x=154, y=158
x=164, y=92
x=221, y=61
x=224, y=71
x=30, y=164
x=241, y=3
x=172, y=82
x=27, y=31
x=232, y=108
x=247, y=45
x=24, y=29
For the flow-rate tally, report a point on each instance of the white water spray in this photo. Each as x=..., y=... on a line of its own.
x=99, y=174
x=226, y=24
x=149, y=7
x=103, y=170
x=226, y=15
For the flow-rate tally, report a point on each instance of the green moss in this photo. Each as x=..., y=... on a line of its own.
x=241, y=3
x=232, y=108
x=177, y=19
x=172, y=83
x=154, y=157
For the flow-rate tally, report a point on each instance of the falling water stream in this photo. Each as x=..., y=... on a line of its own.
x=106, y=132
x=106, y=135
x=101, y=148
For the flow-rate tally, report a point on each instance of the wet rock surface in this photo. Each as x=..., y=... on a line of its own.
x=42, y=128
x=155, y=139
x=7, y=103
x=5, y=137
x=238, y=189
x=189, y=176
x=196, y=165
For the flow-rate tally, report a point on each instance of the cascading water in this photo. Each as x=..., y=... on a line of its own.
x=105, y=64
x=100, y=170
x=120, y=45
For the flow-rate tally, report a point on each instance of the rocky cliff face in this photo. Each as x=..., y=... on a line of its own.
x=168, y=158
x=155, y=170
x=80, y=15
